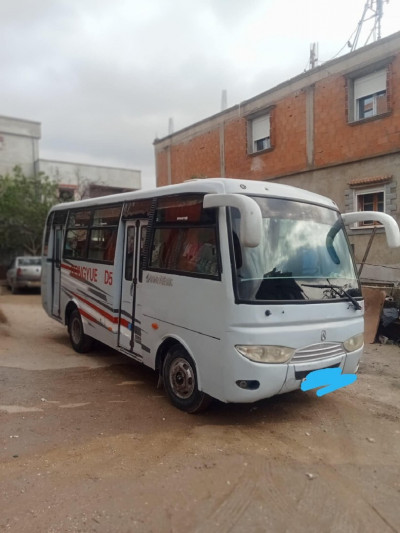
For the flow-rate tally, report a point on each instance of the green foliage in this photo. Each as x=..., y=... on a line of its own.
x=24, y=204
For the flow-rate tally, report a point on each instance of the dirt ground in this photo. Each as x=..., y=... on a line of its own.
x=88, y=444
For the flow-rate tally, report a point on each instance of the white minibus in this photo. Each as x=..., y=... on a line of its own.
x=229, y=289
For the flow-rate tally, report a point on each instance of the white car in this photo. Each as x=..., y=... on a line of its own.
x=24, y=272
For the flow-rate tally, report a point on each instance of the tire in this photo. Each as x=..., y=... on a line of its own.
x=81, y=343
x=14, y=289
x=180, y=381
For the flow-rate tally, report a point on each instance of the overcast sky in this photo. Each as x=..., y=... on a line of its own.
x=104, y=77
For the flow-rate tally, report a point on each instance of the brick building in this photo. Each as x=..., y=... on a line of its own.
x=334, y=130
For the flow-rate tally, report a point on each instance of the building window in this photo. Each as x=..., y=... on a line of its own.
x=66, y=193
x=370, y=200
x=370, y=95
x=259, y=134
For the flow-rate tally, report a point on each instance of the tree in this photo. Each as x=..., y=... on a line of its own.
x=24, y=204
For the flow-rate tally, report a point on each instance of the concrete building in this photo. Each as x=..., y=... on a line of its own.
x=334, y=130
x=19, y=145
x=77, y=180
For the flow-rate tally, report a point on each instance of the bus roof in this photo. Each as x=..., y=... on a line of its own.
x=209, y=185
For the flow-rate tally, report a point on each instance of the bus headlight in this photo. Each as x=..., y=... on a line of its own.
x=354, y=343
x=266, y=354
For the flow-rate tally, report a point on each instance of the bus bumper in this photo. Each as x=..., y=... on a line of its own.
x=256, y=381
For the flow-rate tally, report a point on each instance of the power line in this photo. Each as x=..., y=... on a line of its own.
x=347, y=43
x=383, y=266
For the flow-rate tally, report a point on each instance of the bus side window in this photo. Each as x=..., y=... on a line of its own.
x=185, y=250
x=102, y=244
x=206, y=260
x=75, y=243
x=109, y=252
x=190, y=250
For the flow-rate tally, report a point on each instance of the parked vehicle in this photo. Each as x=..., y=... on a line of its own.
x=24, y=272
x=230, y=289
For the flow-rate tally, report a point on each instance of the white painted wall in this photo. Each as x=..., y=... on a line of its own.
x=79, y=174
x=19, y=144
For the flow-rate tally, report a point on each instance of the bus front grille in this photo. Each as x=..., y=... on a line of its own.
x=315, y=352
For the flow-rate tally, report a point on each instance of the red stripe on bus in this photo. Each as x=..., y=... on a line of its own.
x=86, y=315
x=124, y=322
x=111, y=318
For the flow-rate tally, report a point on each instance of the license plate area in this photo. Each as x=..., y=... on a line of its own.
x=302, y=374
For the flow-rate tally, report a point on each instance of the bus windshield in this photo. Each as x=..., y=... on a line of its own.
x=303, y=255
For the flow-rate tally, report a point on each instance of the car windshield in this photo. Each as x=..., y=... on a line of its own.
x=303, y=255
x=29, y=261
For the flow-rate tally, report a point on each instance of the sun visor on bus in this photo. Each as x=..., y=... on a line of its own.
x=250, y=214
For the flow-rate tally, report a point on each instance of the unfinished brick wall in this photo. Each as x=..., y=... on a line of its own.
x=199, y=156
x=288, y=138
x=339, y=140
x=220, y=145
x=162, y=168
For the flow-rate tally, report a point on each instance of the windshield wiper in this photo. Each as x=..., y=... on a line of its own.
x=337, y=289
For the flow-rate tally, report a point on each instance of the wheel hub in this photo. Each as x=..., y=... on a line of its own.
x=182, y=378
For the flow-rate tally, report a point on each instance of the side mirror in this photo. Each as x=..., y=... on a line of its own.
x=250, y=213
x=389, y=223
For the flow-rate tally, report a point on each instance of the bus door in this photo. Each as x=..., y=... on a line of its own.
x=56, y=269
x=129, y=334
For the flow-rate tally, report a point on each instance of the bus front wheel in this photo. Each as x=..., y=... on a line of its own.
x=180, y=381
x=81, y=343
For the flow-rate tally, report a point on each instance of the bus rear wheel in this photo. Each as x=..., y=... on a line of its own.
x=180, y=381
x=81, y=343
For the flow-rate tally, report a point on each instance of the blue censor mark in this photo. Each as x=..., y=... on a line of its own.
x=330, y=379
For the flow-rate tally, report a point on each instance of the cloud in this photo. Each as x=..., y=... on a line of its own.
x=104, y=77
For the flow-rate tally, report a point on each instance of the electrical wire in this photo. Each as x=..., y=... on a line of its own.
x=382, y=266
x=347, y=43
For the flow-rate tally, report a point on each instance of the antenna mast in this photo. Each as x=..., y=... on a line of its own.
x=373, y=9
x=313, y=56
